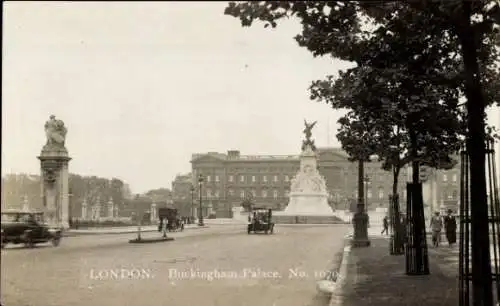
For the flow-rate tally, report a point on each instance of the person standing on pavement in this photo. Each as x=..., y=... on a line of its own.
x=436, y=227
x=450, y=227
x=386, y=226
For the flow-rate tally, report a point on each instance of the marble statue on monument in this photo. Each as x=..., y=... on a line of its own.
x=307, y=131
x=308, y=192
x=54, y=161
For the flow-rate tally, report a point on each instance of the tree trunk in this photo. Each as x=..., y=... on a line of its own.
x=397, y=227
x=481, y=264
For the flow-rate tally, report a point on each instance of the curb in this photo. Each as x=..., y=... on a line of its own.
x=154, y=240
x=337, y=298
x=70, y=234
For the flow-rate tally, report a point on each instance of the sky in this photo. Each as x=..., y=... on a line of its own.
x=142, y=86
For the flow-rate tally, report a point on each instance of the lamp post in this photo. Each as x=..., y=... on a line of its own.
x=360, y=219
x=367, y=183
x=200, y=184
x=192, y=201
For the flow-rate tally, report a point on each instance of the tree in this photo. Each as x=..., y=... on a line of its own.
x=438, y=29
x=160, y=194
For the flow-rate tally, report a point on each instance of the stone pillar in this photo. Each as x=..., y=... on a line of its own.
x=84, y=209
x=55, y=184
x=97, y=205
x=111, y=208
x=153, y=212
x=26, y=206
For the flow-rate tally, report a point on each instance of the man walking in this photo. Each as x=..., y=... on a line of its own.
x=450, y=227
x=386, y=226
x=436, y=227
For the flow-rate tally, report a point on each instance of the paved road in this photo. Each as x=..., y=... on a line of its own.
x=213, y=266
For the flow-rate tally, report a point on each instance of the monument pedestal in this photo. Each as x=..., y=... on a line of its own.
x=55, y=185
x=308, y=195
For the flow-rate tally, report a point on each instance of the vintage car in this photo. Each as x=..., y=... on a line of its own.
x=27, y=227
x=261, y=221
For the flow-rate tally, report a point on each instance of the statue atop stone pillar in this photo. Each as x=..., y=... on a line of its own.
x=307, y=131
x=54, y=161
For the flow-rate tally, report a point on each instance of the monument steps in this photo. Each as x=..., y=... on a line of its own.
x=288, y=219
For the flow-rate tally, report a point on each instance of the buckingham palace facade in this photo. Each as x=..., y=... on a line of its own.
x=231, y=177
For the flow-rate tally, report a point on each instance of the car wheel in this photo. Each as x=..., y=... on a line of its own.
x=29, y=243
x=56, y=241
x=28, y=240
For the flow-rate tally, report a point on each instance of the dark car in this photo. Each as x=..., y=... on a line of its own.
x=28, y=228
x=261, y=221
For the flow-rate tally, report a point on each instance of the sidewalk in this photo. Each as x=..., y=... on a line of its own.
x=376, y=278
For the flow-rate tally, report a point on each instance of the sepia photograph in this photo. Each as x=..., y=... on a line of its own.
x=274, y=153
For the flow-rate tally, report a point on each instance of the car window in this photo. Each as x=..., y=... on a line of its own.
x=9, y=217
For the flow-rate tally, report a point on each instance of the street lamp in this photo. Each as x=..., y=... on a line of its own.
x=192, y=201
x=200, y=183
x=367, y=182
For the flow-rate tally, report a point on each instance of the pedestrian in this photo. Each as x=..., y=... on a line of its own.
x=436, y=227
x=386, y=226
x=450, y=227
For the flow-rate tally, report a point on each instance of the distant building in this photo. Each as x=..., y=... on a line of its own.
x=232, y=177
x=181, y=194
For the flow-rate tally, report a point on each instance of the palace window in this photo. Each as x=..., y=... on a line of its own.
x=445, y=178
x=208, y=178
x=230, y=192
x=254, y=194
x=275, y=178
x=230, y=178
x=275, y=194
x=253, y=179
x=264, y=193
x=450, y=195
x=454, y=178
x=369, y=193
x=287, y=178
x=264, y=178
x=381, y=193
x=455, y=194
x=217, y=178
x=242, y=178
x=242, y=194
x=209, y=193
x=217, y=193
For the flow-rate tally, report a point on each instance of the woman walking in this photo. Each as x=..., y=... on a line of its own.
x=450, y=227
